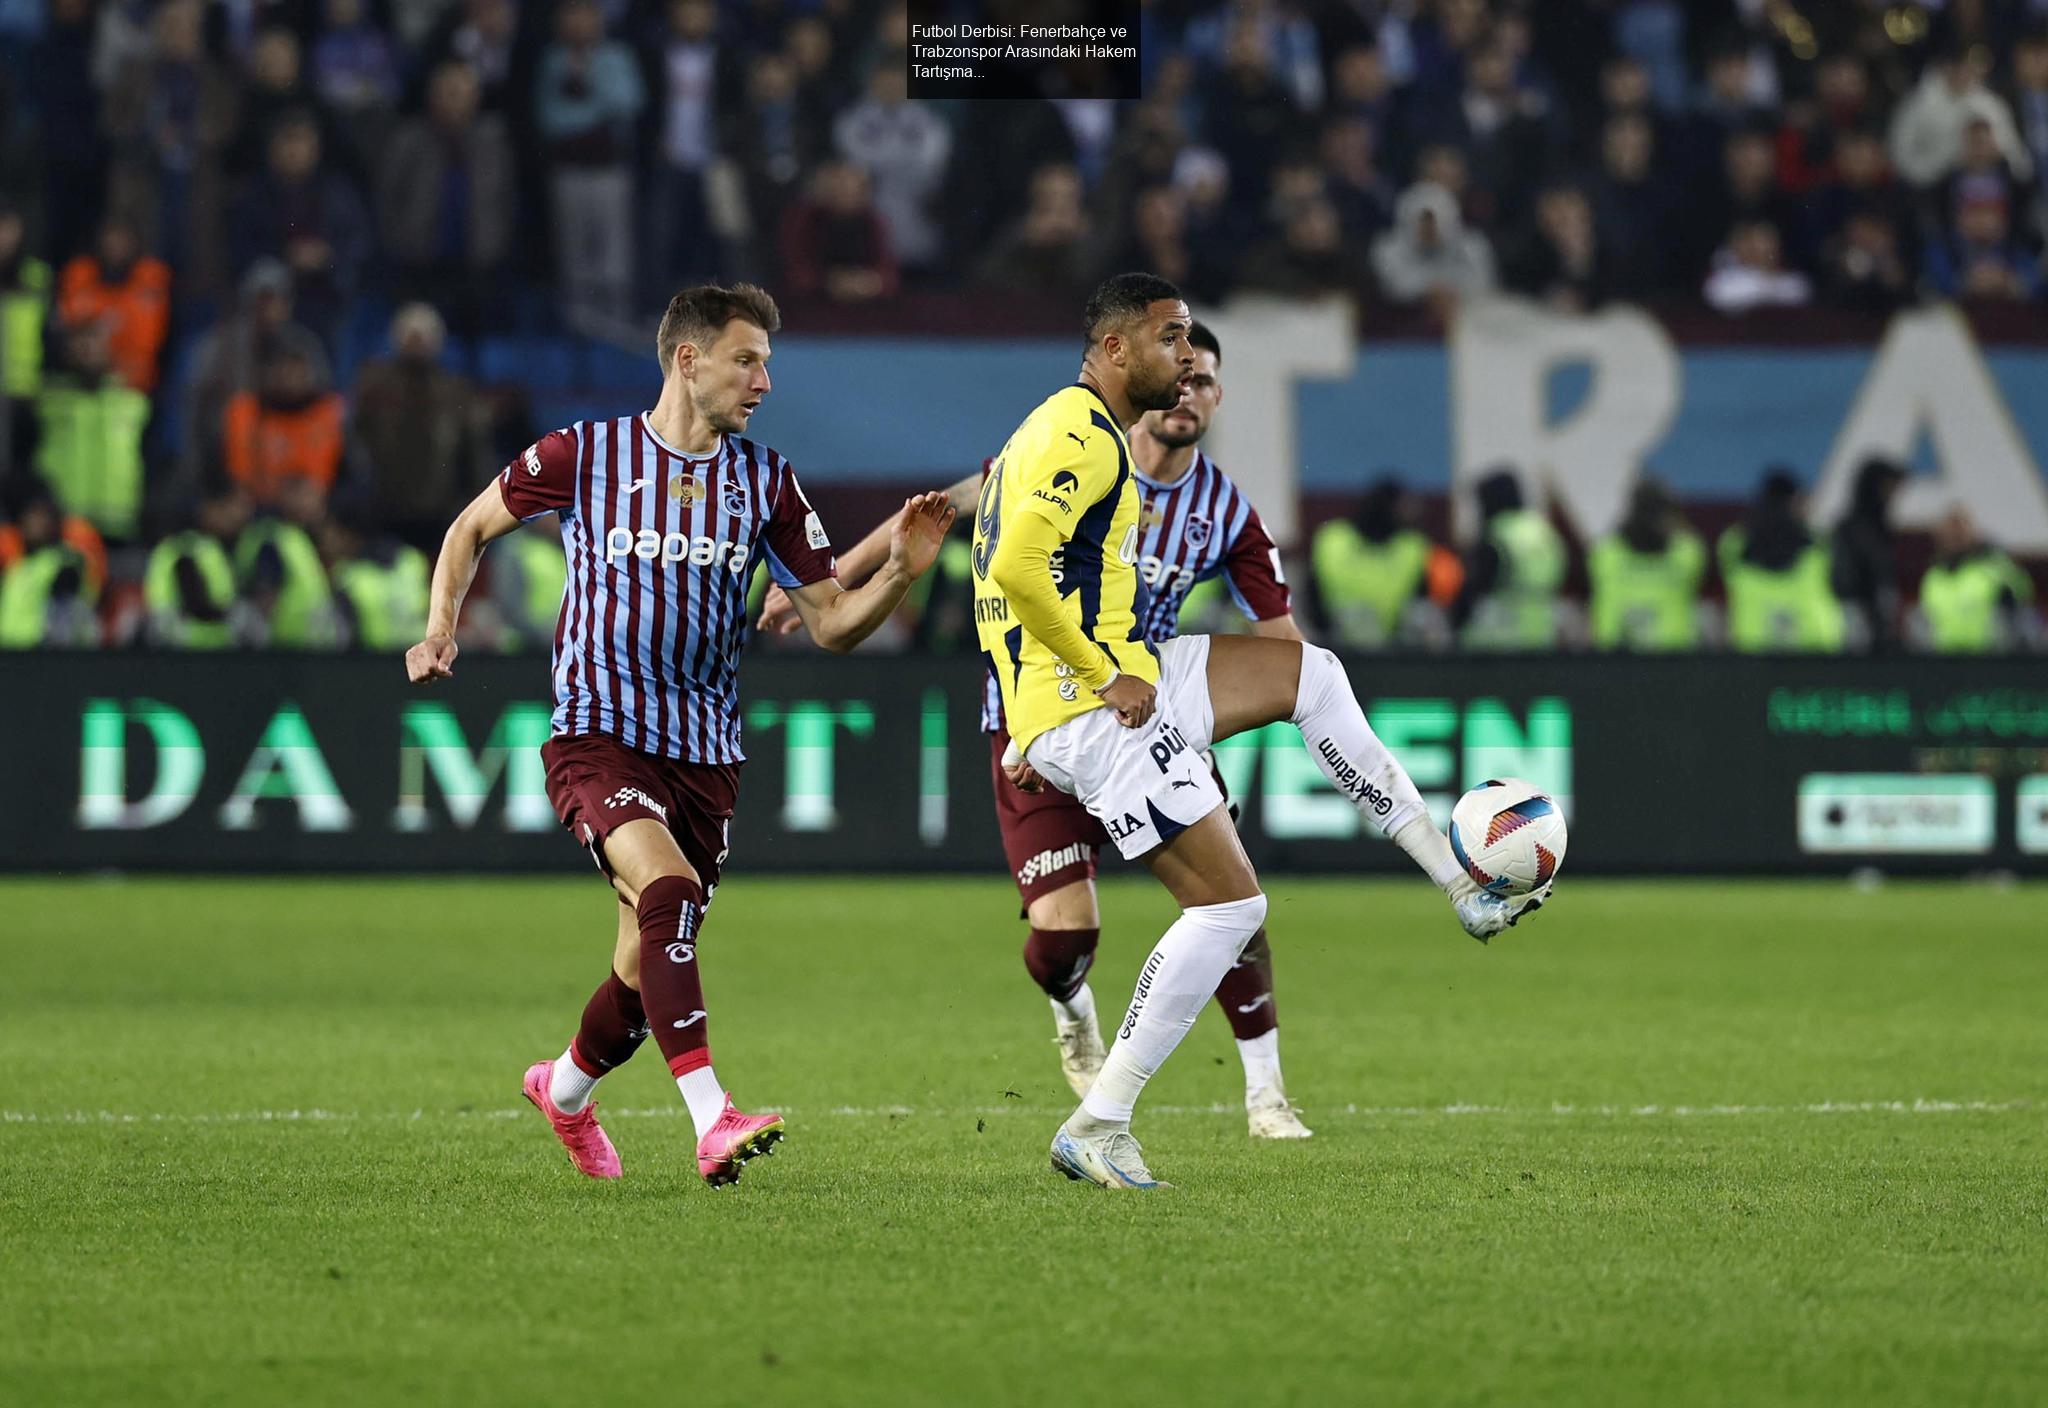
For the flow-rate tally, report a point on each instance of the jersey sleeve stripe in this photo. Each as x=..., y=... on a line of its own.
x=1085, y=549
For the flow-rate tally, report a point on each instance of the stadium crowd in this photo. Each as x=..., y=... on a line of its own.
x=211, y=212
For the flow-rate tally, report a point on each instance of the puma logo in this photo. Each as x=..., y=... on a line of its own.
x=1180, y=782
x=1078, y=439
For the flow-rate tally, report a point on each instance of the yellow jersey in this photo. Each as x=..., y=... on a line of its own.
x=1069, y=465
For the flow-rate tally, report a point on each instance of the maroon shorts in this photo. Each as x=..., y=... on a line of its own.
x=598, y=784
x=1049, y=838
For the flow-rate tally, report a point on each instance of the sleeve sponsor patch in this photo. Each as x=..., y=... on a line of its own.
x=814, y=531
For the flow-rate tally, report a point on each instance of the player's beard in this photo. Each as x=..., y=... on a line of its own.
x=1173, y=438
x=1161, y=395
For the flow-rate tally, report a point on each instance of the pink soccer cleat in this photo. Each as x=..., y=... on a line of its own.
x=590, y=1149
x=732, y=1141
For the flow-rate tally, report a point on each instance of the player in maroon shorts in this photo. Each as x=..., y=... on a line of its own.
x=1194, y=525
x=664, y=515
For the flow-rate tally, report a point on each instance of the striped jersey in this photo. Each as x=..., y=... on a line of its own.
x=660, y=547
x=1199, y=527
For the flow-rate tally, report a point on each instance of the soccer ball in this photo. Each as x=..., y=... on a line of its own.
x=1508, y=836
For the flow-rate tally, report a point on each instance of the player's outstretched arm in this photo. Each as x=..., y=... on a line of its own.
x=485, y=520
x=779, y=616
x=839, y=619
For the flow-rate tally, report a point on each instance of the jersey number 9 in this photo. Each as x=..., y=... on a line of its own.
x=988, y=520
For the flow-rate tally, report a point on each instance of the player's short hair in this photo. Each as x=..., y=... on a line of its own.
x=1121, y=298
x=1204, y=339
x=698, y=315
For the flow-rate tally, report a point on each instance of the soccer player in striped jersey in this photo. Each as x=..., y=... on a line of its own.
x=1194, y=525
x=663, y=515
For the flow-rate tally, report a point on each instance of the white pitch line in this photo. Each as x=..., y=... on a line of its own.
x=677, y=1111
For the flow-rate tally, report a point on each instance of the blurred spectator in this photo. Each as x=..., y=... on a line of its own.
x=773, y=147
x=28, y=495
x=1860, y=184
x=89, y=427
x=171, y=114
x=1371, y=579
x=1514, y=573
x=128, y=293
x=228, y=358
x=528, y=576
x=380, y=584
x=1973, y=598
x=835, y=243
x=284, y=599
x=1309, y=257
x=288, y=428
x=1559, y=260
x=1287, y=40
x=904, y=146
x=1776, y=575
x=417, y=432
x=1360, y=88
x=1982, y=260
x=1981, y=174
x=1047, y=251
x=1646, y=577
x=1865, y=567
x=1813, y=129
x=305, y=213
x=25, y=289
x=1726, y=106
x=1631, y=208
x=683, y=242
x=1748, y=192
x=1363, y=197
x=1251, y=115
x=188, y=588
x=1749, y=273
x=66, y=104
x=2030, y=111
x=1502, y=129
x=483, y=34
x=589, y=97
x=355, y=72
x=1429, y=256
x=1866, y=272
x=1159, y=239
x=48, y=591
x=1928, y=128
x=447, y=199
x=273, y=90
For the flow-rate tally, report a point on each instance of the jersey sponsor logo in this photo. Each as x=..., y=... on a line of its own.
x=1064, y=482
x=1198, y=529
x=1054, y=499
x=1128, y=825
x=814, y=532
x=1352, y=782
x=1051, y=861
x=650, y=545
x=630, y=796
x=1168, y=580
x=1142, y=995
x=687, y=487
x=1169, y=745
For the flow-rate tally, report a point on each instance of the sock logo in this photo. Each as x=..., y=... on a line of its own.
x=1256, y=1003
x=682, y=953
x=1351, y=782
x=1143, y=992
x=690, y=1021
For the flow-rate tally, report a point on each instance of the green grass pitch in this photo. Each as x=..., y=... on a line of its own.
x=1668, y=1143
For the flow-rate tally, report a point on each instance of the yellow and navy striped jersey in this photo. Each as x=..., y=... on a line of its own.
x=1070, y=465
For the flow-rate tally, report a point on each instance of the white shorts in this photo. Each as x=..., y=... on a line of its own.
x=1145, y=785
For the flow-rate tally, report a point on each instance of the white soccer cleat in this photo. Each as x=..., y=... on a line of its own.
x=1271, y=1115
x=1081, y=1052
x=1485, y=915
x=1112, y=1160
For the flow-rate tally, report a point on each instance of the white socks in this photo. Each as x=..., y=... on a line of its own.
x=1261, y=1055
x=1359, y=765
x=1176, y=983
x=570, y=1085
x=1076, y=1009
x=705, y=1097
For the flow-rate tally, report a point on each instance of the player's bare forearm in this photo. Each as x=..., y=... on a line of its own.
x=853, y=616
x=475, y=528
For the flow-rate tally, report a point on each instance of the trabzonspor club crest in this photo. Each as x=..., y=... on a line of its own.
x=1199, y=529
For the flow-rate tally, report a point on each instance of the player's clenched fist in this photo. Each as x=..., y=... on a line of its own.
x=432, y=659
x=1132, y=699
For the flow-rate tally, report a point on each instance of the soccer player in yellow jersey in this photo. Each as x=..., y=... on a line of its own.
x=1097, y=712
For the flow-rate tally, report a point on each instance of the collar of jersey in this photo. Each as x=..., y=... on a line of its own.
x=1165, y=488
x=1105, y=403
x=655, y=435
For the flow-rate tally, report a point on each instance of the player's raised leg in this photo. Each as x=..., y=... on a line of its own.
x=613, y=1026
x=1255, y=681
x=649, y=869
x=1207, y=872
x=1065, y=928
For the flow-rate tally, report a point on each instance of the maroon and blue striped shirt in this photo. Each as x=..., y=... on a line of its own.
x=1198, y=527
x=660, y=548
